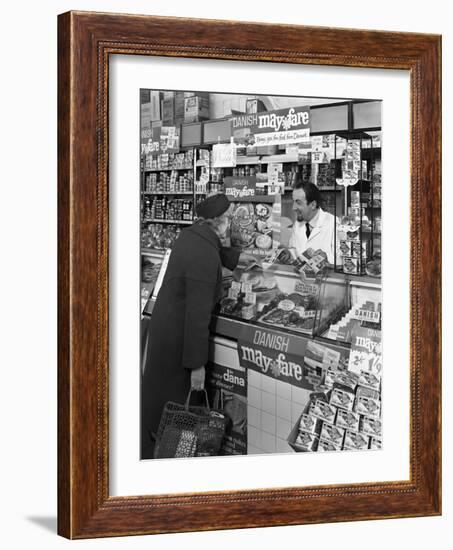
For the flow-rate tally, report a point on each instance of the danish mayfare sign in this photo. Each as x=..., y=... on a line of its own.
x=274, y=354
x=290, y=125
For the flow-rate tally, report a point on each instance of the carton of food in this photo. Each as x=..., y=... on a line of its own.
x=306, y=441
x=323, y=410
x=375, y=444
x=331, y=433
x=346, y=378
x=346, y=248
x=356, y=247
x=355, y=441
x=348, y=420
x=363, y=391
x=310, y=424
x=369, y=380
x=371, y=426
x=326, y=446
x=342, y=399
x=329, y=378
x=248, y=311
x=367, y=406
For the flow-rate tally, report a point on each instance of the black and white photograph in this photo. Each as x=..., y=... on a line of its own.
x=261, y=307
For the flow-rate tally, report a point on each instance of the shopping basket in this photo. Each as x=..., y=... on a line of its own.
x=188, y=430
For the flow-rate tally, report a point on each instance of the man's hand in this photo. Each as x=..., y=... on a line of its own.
x=197, y=378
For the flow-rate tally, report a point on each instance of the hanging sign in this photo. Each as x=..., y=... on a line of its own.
x=322, y=149
x=223, y=155
x=238, y=187
x=284, y=126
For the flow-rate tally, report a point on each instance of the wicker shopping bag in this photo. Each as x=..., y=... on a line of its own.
x=187, y=430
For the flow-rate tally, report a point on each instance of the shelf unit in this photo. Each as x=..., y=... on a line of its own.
x=363, y=185
x=173, y=222
x=291, y=163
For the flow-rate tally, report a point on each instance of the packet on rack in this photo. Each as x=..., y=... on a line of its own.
x=342, y=399
x=348, y=420
x=355, y=441
x=331, y=433
x=310, y=424
x=369, y=380
x=368, y=406
x=326, y=446
x=306, y=441
x=323, y=410
x=371, y=426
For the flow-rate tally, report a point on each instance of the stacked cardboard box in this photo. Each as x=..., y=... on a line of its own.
x=346, y=416
x=145, y=115
x=196, y=107
x=179, y=108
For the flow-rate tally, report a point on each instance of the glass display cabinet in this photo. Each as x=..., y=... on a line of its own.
x=280, y=297
x=355, y=244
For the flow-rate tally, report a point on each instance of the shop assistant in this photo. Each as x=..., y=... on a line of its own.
x=313, y=228
x=179, y=327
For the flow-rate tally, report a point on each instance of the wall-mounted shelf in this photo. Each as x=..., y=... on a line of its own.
x=156, y=220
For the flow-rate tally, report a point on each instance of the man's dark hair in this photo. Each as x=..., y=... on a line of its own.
x=312, y=192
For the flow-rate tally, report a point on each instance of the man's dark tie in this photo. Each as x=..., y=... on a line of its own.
x=307, y=229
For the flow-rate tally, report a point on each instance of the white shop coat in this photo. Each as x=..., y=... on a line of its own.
x=321, y=236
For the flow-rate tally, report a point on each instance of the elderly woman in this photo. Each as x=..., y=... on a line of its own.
x=179, y=328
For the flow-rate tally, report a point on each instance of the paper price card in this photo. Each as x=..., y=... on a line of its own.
x=246, y=288
x=233, y=293
x=250, y=298
x=236, y=286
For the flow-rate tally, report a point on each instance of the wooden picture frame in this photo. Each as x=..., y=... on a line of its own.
x=85, y=41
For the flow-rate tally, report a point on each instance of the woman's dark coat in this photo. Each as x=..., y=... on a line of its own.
x=179, y=327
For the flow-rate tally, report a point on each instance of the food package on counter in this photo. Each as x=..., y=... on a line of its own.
x=306, y=441
x=348, y=420
x=332, y=433
x=346, y=379
x=368, y=406
x=371, y=426
x=351, y=265
x=375, y=444
x=355, y=441
x=264, y=285
x=369, y=380
x=323, y=410
x=231, y=306
x=326, y=446
x=292, y=311
x=310, y=424
x=311, y=262
x=248, y=311
x=342, y=399
x=367, y=392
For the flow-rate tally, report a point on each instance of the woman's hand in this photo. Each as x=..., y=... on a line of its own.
x=246, y=258
x=197, y=378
